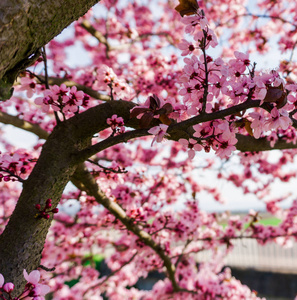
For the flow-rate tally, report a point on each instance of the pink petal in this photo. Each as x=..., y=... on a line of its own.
x=1, y=280
x=198, y=147
x=33, y=277
x=191, y=153
x=26, y=275
x=155, y=130
x=183, y=142
x=44, y=289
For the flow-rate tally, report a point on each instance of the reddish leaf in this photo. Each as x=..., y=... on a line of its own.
x=276, y=95
x=146, y=119
x=247, y=126
x=154, y=102
x=273, y=94
x=164, y=119
x=137, y=111
x=168, y=108
x=187, y=7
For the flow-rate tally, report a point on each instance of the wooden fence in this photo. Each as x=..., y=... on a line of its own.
x=272, y=257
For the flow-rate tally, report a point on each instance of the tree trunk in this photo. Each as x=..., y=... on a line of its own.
x=23, y=239
x=26, y=26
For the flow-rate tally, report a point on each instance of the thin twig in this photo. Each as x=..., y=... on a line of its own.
x=119, y=170
x=47, y=269
x=205, y=81
x=11, y=174
x=43, y=53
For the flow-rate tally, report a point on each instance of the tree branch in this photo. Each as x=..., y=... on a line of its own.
x=184, y=130
x=85, y=24
x=87, y=180
x=5, y=118
x=247, y=143
x=101, y=38
x=176, y=131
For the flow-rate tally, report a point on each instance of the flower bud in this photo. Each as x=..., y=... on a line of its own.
x=8, y=287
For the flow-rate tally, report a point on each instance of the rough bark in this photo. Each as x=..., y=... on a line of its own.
x=26, y=26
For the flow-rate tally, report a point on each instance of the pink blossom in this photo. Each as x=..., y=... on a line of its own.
x=115, y=121
x=33, y=277
x=28, y=85
x=211, y=39
x=61, y=98
x=186, y=46
x=73, y=100
x=225, y=147
x=41, y=290
x=191, y=22
x=137, y=63
x=258, y=123
x=291, y=87
x=202, y=130
x=60, y=91
x=203, y=21
x=159, y=132
x=242, y=56
x=260, y=91
x=186, y=92
x=225, y=130
x=240, y=63
x=279, y=119
x=122, y=89
x=191, y=145
x=105, y=76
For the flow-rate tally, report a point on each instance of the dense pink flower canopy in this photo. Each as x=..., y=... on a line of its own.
x=194, y=107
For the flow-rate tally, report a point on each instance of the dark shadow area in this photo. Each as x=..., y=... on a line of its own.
x=268, y=284
x=272, y=286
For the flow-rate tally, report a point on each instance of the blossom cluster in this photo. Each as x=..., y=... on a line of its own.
x=44, y=213
x=15, y=165
x=32, y=290
x=116, y=124
x=107, y=80
x=63, y=99
x=209, y=85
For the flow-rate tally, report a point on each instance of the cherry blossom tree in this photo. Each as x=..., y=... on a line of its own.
x=159, y=95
